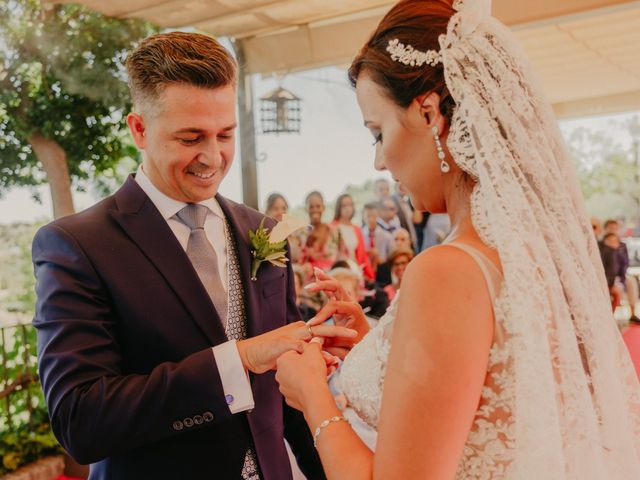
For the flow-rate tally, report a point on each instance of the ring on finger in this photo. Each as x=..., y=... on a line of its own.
x=310, y=331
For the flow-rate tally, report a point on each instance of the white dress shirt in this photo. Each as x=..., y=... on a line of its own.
x=235, y=381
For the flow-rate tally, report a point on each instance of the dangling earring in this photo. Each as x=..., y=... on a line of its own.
x=444, y=166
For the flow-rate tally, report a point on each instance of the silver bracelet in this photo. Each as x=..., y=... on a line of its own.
x=324, y=423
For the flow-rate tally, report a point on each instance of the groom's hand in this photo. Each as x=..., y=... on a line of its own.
x=259, y=354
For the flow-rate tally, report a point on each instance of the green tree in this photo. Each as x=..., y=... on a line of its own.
x=609, y=173
x=63, y=95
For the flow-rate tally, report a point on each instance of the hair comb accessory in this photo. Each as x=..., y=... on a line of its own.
x=469, y=14
x=408, y=55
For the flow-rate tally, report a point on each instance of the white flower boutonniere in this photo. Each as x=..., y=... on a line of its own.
x=271, y=247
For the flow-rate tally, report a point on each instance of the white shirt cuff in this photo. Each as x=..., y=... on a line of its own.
x=235, y=380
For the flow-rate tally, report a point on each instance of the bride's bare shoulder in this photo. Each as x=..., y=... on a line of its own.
x=444, y=283
x=444, y=262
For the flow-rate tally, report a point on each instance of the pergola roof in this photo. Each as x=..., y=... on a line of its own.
x=587, y=52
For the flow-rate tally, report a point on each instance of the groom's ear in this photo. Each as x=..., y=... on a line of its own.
x=137, y=129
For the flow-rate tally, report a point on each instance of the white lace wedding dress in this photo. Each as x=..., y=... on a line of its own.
x=487, y=452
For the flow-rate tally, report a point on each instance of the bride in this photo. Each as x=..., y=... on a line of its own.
x=500, y=357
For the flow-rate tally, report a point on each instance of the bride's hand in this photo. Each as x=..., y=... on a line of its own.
x=329, y=285
x=335, y=291
x=345, y=314
x=301, y=375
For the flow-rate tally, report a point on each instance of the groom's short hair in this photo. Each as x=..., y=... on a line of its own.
x=177, y=58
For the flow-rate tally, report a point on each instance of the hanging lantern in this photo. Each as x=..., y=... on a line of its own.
x=280, y=112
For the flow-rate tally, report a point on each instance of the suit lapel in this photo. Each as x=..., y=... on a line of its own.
x=142, y=222
x=240, y=224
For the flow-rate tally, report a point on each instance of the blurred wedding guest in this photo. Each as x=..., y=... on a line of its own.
x=402, y=216
x=348, y=278
x=627, y=283
x=321, y=245
x=613, y=227
x=437, y=229
x=276, y=207
x=408, y=216
x=305, y=302
x=381, y=189
x=421, y=230
x=378, y=242
x=402, y=240
x=388, y=219
x=371, y=297
x=351, y=235
x=320, y=249
x=398, y=261
x=610, y=259
x=596, y=224
x=314, y=204
x=403, y=212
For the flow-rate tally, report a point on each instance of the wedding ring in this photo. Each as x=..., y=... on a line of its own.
x=310, y=331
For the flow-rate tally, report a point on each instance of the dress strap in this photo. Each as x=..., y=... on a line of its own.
x=492, y=275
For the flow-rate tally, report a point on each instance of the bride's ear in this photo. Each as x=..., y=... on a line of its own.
x=430, y=110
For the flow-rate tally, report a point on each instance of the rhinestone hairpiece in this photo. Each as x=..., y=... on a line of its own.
x=408, y=55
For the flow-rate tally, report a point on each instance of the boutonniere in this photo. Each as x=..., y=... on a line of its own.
x=271, y=246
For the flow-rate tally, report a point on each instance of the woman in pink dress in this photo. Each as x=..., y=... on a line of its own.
x=350, y=234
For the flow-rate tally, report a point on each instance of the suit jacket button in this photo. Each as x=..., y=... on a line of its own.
x=178, y=425
x=208, y=416
x=198, y=420
x=188, y=422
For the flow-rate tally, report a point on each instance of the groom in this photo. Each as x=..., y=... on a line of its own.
x=147, y=318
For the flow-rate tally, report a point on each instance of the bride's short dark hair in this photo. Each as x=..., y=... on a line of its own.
x=418, y=23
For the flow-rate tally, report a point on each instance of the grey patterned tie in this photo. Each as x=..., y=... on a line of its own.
x=236, y=329
x=203, y=257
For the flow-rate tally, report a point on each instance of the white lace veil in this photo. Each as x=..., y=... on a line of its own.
x=569, y=389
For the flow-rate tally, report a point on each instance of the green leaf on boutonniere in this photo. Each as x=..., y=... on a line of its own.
x=266, y=251
x=272, y=246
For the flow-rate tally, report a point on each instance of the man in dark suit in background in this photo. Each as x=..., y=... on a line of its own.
x=628, y=283
x=156, y=348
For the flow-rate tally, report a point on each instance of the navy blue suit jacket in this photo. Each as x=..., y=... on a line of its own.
x=125, y=330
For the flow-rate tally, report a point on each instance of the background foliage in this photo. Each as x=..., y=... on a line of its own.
x=62, y=75
x=25, y=434
x=608, y=167
x=28, y=435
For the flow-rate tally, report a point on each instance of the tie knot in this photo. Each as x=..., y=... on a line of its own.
x=193, y=216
